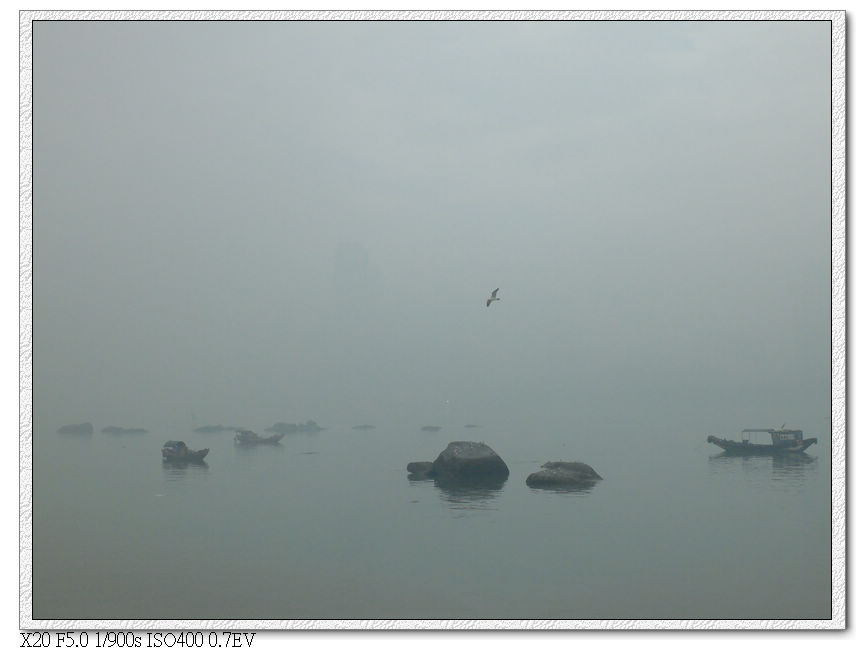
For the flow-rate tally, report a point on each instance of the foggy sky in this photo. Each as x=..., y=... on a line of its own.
x=245, y=222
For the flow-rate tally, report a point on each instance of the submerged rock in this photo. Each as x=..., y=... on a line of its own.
x=121, y=430
x=310, y=426
x=557, y=474
x=282, y=427
x=85, y=428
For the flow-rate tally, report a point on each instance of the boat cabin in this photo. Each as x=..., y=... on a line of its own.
x=780, y=437
x=784, y=441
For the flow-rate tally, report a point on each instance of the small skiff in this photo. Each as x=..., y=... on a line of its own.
x=784, y=441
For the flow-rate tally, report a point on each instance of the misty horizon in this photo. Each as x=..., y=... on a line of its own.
x=314, y=236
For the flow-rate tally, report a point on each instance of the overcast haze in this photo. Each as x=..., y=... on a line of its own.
x=248, y=222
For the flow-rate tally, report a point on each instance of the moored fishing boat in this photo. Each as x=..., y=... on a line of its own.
x=177, y=451
x=784, y=441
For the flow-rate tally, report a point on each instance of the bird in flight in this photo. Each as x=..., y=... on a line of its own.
x=492, y=297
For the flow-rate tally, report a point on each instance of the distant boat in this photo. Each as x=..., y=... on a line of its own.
x=363, y=427
x=784, y=441
x=492, y=297
x=245, y=437
x=430, y=427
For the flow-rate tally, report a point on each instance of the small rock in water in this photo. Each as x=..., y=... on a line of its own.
x=563, y=474
x=420, y=470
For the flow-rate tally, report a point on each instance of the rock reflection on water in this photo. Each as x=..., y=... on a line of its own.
x=464, y=494
x=470, y=495
x=580, y=489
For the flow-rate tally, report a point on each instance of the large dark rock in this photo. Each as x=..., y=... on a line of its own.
x=469, y=461
x=557, y=474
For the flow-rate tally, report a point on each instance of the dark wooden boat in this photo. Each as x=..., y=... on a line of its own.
x=244, y=437
x=177, y=451
x=784, y=441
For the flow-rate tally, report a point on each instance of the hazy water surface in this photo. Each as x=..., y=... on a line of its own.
x=662, y=248
x=328, y=526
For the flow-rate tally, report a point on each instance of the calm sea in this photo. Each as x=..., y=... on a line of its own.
x=328, y=526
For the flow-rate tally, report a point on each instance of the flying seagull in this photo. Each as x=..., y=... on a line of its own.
x=492, y=297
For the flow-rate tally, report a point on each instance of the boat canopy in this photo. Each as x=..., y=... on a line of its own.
x=780, y=437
